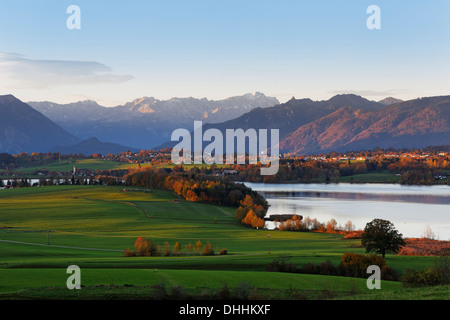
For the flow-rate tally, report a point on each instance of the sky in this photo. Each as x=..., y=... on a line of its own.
x=221, y=48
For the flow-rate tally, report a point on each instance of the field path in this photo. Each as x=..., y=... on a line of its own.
x=113, y=250
x=54, y=246
x=137, y=207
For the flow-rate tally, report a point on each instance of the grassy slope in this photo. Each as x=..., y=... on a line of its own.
x=67, y=165
x=107, y=218
x=192, y=280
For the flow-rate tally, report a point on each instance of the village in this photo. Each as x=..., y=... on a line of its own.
x=13, y=171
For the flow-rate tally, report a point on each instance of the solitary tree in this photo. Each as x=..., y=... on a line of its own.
x=177, y=247
x=380, y=236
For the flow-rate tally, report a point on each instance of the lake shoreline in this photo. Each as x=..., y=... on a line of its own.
x=410, y=207
x=347, y=182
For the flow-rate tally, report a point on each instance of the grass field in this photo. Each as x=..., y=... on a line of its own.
x=67, y=165
x=44, y=230
x=378, y=177
x=31, y=282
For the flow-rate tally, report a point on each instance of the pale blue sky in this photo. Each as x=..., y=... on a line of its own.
x=222, y=48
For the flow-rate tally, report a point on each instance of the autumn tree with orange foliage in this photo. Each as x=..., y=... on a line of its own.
x=144, y=247
x=253, y=220
x=247, y=205
x=177, y=247
x=208, y=249
x=331, y=226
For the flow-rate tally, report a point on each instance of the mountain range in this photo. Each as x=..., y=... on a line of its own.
x=349, y=122
x=343, y=123
x=410, y=124
x=146, y=122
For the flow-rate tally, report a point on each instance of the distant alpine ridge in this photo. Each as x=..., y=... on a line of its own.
x=146, y=122
x=389, y=100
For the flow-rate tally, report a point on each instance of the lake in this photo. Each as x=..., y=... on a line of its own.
x=410, y=208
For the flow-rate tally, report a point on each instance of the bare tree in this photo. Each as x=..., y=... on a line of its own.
x=428, y=233
x=349, y=226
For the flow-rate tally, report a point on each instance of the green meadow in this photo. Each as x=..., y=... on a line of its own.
x=375, y=177
x=44, y=230
x=67, y=165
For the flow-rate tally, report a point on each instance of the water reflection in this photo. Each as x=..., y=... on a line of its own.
x=416, y=198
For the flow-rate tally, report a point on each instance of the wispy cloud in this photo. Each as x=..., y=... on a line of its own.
x=20, y=72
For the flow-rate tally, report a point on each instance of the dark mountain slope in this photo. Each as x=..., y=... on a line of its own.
x=414, y=123
x=23, y=129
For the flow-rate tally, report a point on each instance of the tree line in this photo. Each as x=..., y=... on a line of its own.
x=145, y=247
x=411, y=170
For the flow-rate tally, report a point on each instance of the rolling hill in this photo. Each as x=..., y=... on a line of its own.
x=92, y=146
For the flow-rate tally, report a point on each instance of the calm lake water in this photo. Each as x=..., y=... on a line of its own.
x=410, y=208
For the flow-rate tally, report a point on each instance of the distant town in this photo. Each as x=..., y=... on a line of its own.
x=408, y=166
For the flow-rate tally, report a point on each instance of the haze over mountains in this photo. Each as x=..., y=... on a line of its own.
x=146, y=122
x=343, y=123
